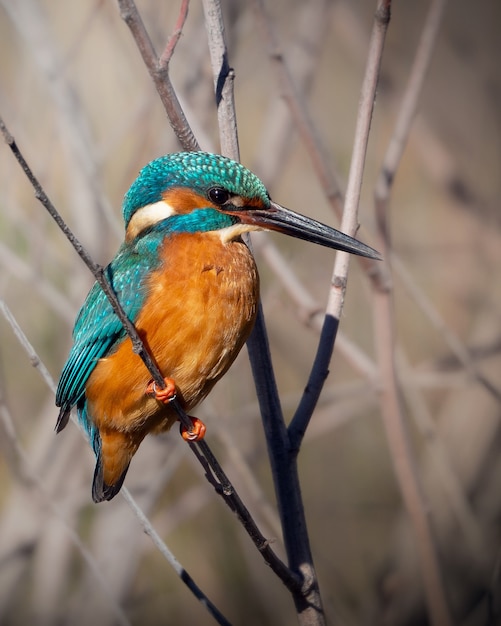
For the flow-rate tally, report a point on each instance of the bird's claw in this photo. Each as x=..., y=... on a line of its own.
x=166, y=394
x=195, y=433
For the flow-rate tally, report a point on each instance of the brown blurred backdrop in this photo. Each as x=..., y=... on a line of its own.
x=77, y=97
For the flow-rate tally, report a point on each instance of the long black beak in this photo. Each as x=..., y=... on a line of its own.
x=285, y=221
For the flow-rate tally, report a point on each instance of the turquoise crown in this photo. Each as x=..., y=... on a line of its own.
x=195, y=170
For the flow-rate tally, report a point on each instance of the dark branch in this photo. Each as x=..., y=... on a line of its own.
x=224, y=488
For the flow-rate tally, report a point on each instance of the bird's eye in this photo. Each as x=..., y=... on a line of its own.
x=218, y=195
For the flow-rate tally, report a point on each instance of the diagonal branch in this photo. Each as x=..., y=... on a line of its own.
x=145, y=523
x=164, y=60
x=159, y=72
x=201, y=448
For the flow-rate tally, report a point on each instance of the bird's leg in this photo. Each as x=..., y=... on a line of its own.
x=196, y=432
x=164, y=395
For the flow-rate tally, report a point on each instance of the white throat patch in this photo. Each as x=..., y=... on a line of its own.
x=233, y=232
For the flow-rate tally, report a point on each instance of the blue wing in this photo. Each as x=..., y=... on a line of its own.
x=97, y=329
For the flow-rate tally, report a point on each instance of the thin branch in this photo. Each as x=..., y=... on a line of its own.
x=200, y=448
x=349, y=224
x=159, y=72
x=456, y=346
x=176, y=566
x=164, y=60
x=224, y=78
x=391, y=399
x=306, y=597
x=145, y=523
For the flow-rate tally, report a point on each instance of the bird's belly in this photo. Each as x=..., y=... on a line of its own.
x=199, y=311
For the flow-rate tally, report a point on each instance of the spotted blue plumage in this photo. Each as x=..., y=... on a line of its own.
x=98, y=330
x=98, y=333
x=193, y=170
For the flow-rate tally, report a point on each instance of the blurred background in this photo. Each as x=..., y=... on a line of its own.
x=78, y=99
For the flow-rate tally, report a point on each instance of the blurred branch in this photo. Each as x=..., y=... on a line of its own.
x=75, y=134
x=35, y=360
x=201, y=448
x=391, y=398
x=298, y=109
x=169, y=556
x=304, y=56
x=18, y=268
x=456, y=346
x=145, y=523
x=31, y=478
x=449, y=483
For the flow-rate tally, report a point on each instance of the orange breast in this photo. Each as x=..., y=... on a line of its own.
x=200, y=308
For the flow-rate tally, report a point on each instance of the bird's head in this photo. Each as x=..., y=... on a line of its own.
x=201, y=192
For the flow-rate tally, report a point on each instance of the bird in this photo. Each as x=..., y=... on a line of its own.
x=187, y=280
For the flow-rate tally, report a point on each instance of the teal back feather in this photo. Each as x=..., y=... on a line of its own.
x=98, y=331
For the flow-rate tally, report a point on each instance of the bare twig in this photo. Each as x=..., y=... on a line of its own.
x=145, y=523
x=391, y=401
x=201, y=448
x=178, y=568
x=283, y=463
x=349, y=224
x=224, y=77
x=159, y=72
x=456, y=346
x=164, y=60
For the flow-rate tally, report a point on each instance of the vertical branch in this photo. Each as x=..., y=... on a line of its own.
x=349, y=224
x=391, y=399
x=307, y=597
x=224, y=78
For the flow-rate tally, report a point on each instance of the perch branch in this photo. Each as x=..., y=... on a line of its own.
x=284, y=467
x=201, y=448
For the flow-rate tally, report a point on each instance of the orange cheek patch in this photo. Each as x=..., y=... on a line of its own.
x=185, y=200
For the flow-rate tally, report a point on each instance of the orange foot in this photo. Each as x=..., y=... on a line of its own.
x=164, y=395
x=196, y=432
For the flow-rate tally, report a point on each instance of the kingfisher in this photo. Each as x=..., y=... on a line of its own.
x=189, y=283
